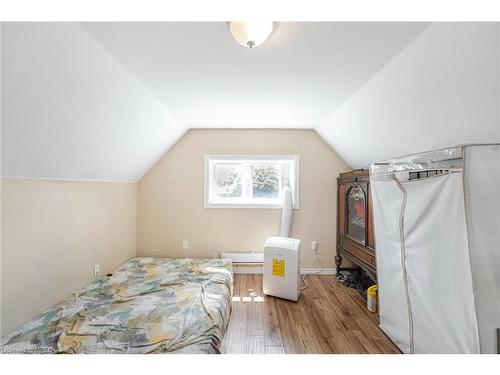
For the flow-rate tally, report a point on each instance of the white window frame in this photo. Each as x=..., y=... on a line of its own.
x=260, y=158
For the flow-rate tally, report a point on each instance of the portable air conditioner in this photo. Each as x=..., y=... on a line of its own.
x=282, y=268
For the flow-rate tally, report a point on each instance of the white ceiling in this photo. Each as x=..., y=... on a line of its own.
x=104, y=101
x=70, y=111
x=441, y=90
x=299, y=76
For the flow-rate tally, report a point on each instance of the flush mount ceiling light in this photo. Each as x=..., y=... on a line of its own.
x=250, y=34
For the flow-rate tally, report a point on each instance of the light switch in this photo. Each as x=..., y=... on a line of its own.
x=97, y=270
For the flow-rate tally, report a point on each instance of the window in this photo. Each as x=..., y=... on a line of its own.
x=241, y=181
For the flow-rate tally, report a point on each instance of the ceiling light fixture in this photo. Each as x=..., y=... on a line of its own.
x=251, y=34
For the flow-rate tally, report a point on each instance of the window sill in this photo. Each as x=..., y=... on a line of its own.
x=247, y=206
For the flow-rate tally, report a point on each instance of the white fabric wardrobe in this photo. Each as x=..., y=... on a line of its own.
x=437, y=230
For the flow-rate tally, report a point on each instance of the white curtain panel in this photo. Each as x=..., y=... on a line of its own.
x=438, y=266
x=482, y=197
x=438, y=252
x=393, y=306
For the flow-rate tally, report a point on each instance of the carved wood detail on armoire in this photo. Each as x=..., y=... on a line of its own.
x=355, y=239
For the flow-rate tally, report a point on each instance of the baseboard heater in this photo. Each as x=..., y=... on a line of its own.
x=246, y=262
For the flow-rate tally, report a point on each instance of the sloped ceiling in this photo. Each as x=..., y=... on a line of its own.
x=302, y=73
x=441, y=90
x=70, y=111
x=104, y=101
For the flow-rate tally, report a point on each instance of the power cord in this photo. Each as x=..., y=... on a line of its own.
x=306, y=284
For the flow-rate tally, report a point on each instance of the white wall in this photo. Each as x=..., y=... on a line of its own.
x=53, y=232
x=441, y=90
x=170, y=197
x=71, y=111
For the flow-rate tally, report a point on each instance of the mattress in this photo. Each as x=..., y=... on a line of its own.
x=147, y=305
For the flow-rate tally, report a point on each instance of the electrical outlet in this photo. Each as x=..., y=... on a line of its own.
x=314, y=245
x=97, y=270
x=185, y=244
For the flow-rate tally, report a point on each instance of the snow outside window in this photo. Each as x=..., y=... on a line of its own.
x=249, y=181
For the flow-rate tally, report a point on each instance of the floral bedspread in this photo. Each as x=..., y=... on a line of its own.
x=148, y=305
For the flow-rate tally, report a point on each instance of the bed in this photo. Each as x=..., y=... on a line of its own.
x=147, y=305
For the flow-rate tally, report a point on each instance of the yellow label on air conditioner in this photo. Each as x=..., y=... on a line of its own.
x=279, y=267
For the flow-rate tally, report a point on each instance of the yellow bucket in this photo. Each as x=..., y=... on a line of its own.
x=371, y=298
x=372, y=291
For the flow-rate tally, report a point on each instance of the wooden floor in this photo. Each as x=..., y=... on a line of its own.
x=328, y=318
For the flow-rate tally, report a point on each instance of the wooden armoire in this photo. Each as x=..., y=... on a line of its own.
x=355, y=222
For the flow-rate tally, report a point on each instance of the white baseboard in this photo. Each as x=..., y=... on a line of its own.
x=258, y=270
